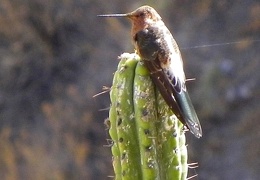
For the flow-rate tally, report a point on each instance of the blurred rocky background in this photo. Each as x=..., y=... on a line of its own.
x=56, y=54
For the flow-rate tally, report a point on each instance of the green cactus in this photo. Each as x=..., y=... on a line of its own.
x=148, y=139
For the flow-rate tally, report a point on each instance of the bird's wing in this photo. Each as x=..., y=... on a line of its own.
x=169, y=85
x=184, y=102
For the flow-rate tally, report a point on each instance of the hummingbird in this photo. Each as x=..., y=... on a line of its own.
x=161, y=55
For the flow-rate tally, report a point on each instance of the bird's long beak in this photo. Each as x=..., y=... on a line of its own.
x=114, y=15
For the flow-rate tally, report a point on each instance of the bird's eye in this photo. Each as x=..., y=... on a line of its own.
x=141, y=14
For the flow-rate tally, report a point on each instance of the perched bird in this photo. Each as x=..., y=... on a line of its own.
x=161, y=55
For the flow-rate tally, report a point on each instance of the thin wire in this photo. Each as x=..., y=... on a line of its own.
x=219, y=44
